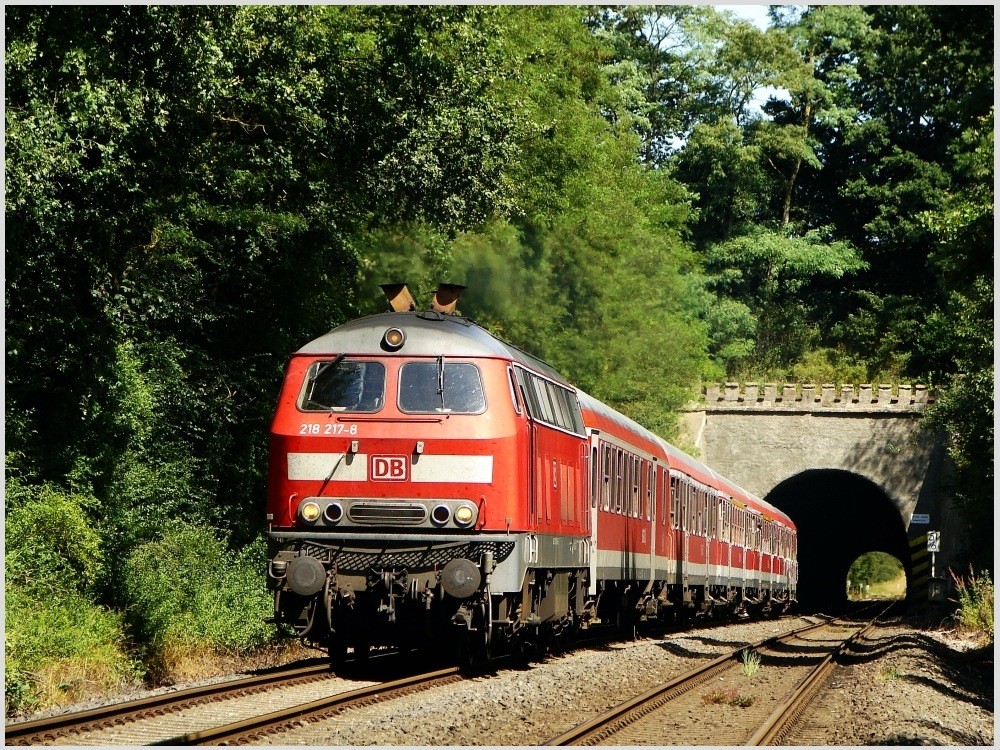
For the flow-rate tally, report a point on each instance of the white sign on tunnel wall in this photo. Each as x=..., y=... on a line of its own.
x=921, y=518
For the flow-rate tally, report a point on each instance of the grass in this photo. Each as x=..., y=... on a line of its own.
x=729, y=698
x=975, y=600
x=751, y=662
x=894, y=589
x=888, y=672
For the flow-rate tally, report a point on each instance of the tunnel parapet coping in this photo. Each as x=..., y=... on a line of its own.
x=863, y=398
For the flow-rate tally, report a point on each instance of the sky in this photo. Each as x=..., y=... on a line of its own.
x=754, y=13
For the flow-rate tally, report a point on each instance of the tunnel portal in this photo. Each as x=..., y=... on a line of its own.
x=840, y=516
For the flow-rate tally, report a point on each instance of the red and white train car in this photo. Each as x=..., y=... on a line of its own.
x=429, y=480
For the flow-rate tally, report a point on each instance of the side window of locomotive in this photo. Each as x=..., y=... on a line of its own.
x=441, y=387
x=344, y=385
x=551, y=403
x=513, y=391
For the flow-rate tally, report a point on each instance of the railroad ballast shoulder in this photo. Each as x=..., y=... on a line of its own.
x=428, y=480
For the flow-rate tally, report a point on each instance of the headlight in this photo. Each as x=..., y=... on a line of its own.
x=393, y=339
x=440, y=515
x=309, y=512
x=333, y=513
x=464, y=515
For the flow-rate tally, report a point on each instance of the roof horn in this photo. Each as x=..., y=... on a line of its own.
x=446, y=298
x=399, y=297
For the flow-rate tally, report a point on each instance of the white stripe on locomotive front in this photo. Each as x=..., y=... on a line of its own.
x=449, y=468
x=353, y=467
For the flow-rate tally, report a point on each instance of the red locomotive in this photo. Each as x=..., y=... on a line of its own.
x=428, y=481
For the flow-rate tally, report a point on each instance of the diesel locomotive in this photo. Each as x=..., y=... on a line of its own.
x=432, y=486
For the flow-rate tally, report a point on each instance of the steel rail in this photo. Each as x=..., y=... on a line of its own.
x=779, y=723
x=40, y=731
x=628, y=711
x=252, y=729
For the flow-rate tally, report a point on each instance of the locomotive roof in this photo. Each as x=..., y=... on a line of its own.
x=428, y=334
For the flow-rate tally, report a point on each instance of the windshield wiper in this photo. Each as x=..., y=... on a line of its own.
x=323, y=367
x=440, y=388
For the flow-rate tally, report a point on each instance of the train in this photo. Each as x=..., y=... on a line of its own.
x=431, y=486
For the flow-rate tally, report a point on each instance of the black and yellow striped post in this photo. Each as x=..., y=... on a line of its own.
x=920, y=573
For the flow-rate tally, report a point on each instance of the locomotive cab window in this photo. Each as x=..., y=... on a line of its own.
x=344, y=385
x=441, y=388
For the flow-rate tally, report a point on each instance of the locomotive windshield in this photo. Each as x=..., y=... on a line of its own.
x=344, y=385
x=437, y=387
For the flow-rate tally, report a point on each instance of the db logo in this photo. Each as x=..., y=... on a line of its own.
x=389, y=468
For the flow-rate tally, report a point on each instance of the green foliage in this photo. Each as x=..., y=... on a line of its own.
x=729, y=698
x=185, y=189
x=60, y=647
x=771, y=272
x=58, y=639
x=51, y=546
x=187, y=589
x=750, y=662
x=872, y=568
x=959, y=340
x=975, y=600
x=834, y=366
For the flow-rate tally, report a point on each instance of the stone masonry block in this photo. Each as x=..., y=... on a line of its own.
x=827, y=394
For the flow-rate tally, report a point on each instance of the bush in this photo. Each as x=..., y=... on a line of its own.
x=975, y=602
x=62, y=649
x=186, y=593
x=60, y=644
x=51, y=545
x=874, y=567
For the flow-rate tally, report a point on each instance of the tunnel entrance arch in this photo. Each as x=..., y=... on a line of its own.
x=840, y=516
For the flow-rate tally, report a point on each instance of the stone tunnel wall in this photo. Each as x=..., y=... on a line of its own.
x=761, y=436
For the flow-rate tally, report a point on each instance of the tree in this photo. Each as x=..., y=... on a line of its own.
x=770, y=271
x=960, y=337
x=185, y=187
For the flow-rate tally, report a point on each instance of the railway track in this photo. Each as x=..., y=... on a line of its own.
x=727, y=701
x=232, y=712
x=235, y=712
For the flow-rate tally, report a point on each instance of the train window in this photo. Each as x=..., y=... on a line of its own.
x=513, y=391
x=619, y=479
x=594, y=469
x=606, y=489
x=560, y=405
x=443, y=387
x=551, y=403
x=547, y=392
x=544, y=411
x=675, y=498
x=636, y=495
x=344, y=385
x=650, y=493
